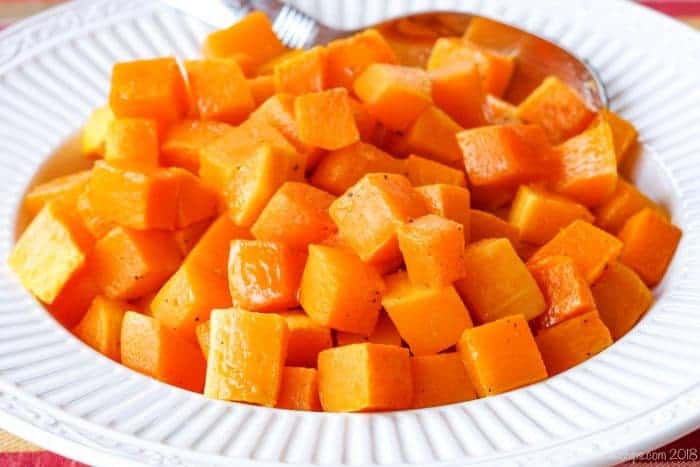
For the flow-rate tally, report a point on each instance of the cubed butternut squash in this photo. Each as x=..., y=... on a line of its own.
x=569, y=343
x=212, y=250
x=306, y=339
x=434, y=135
x=393, y=94
x=363, y=377
x=219, y=90
x=137, y=200
x=565, y=290
x=187, y=237
x=623, y=132
x=502, y=155
x=499, y=112
x=497, y=283
x=187, y=299
x=75, y=297
x=133, y=143
x=457, y=90
x=302, y=73
x=557, y=108
x=252, y=36
x=101, y=327
x=195, y=201
x=501, y=355
x=341, y=169
x=422, y=171
x=368, y=214
x=150, y=348
x=589, y=247
x=440, y=379
x=385, y=332
x=539, y=215
x=94, y=222
x=296, y=215
x=449, y=201
x=299, y=389
x=433, y=250
x=339, y=291
x=247, y=351
x=365, y=122
x=348, y=57
x=428, y=319
x=484, y=225
x=203, y=332
x=92, y=138
x=625, y=202
x=183, y=141
x=64, y=190
x=128, y=264
x=262, y=88
x=587, y=166
x=152, y=88
x=51, y=250
x=325, y=119
x=264, y=275
x=621, y=298
x=649, y=242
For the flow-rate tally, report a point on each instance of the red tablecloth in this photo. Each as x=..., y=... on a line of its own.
x=15, y=452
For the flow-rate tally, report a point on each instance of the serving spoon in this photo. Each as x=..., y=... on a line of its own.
x=412, y=38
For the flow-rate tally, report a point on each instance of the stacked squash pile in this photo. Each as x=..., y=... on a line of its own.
x=332, y=229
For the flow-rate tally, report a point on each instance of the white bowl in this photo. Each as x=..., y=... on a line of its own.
x=640, y=393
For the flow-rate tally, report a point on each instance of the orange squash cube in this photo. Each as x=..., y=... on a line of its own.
x=428, y=319
x=369, y=213
x=252, y=37
x=306, y=339
x=92, y=138
x=65, y=190
x=539, y=215
x=264, y=276
x=340, y=291
x=150, y=348
x=183, y=141
x=449, y=201
x=325, y=119
x=394, y=95
x=649, y=242
x=212, y=250
x=219, y=90
x=366, y=123
x=501, y=355
x=501, y=155
x=625, y=202
x=589, y=247
x=573, y=341
x=364, y=377
x=385, y=332
x=348, y=57
x=565, y=290
x=247, y=351
x=621, y=298
x=623, y=132
x=491, y=198
x=51, y=250
x=187, y=237
x=421, y=171
x=588, y=168
x=95, y=223
x=341, y=169
x=195, y=201
x=101, y=327
x=439, y=380
x=299, y=389
x=349, y=338
x=433, y=249
x=75, y=298
x=302, y=73
x=187, y=299
x=296, y=215
x=497, y=283
x=262, y=88
x=499, y=112
x=129, y=264
x=134, y=199
x=557, y=108
x=133, y=142
x=203, y=333
x=434, y=135
x=484, y=225
x=151, y=88
x=457, y=90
